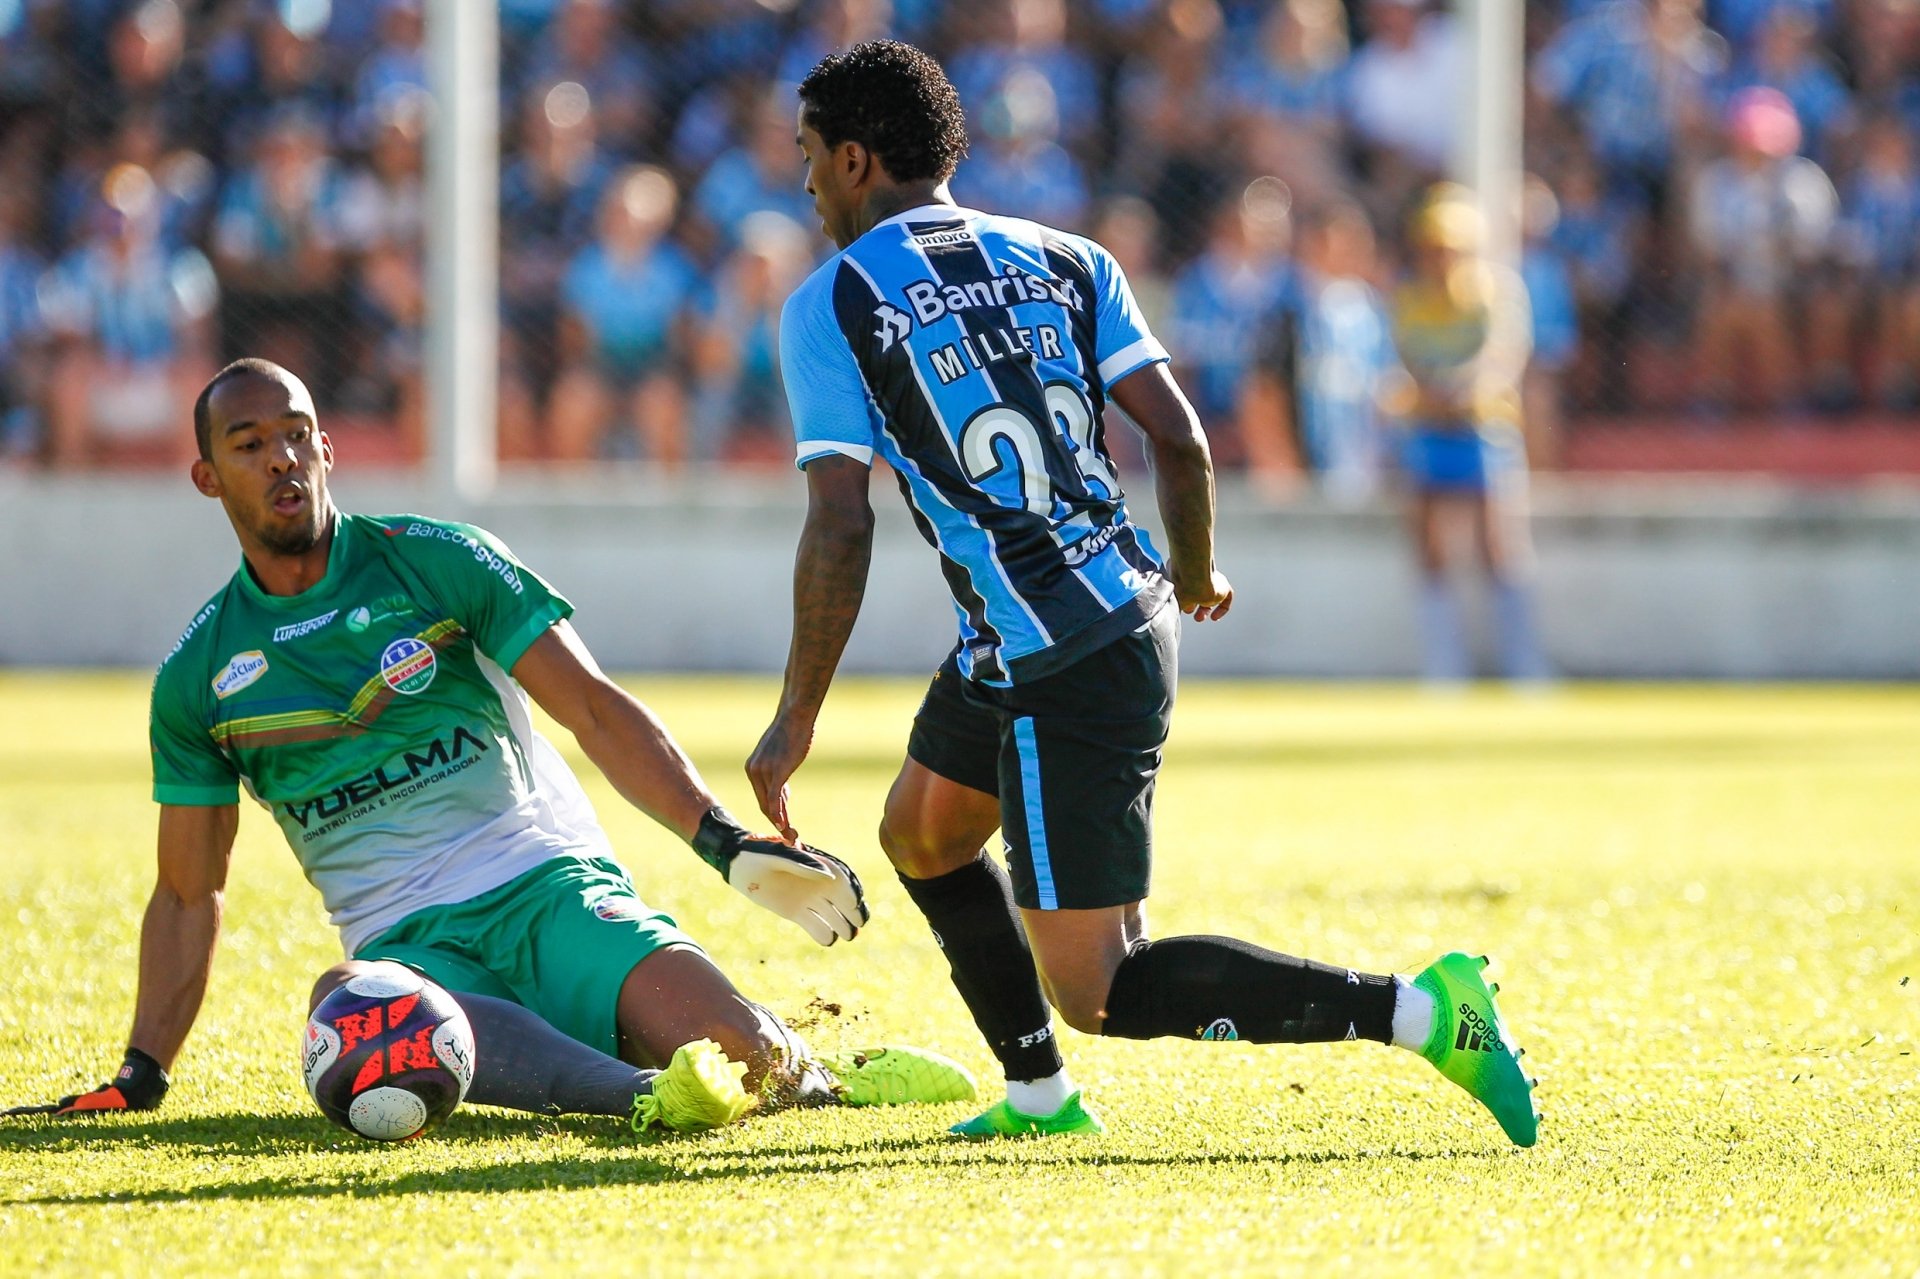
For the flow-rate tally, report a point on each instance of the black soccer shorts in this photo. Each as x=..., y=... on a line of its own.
x=1072, y=757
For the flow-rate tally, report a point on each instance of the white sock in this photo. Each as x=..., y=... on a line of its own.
x=1041, y=1097
x=1413, y=1010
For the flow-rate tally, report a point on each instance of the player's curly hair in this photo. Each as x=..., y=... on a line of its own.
x=893, y=100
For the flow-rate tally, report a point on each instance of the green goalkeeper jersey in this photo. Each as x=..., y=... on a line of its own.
x=373, y=716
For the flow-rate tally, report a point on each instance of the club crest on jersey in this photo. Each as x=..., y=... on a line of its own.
x=1221, y=1029
x=408, y=665
x=242, y=670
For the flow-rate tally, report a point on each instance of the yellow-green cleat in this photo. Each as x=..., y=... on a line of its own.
x=699, y=1089
x=1471, y=1045
x=1002, y=1120
x=897, y=1076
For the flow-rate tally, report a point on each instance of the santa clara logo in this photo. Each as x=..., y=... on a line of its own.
x=242, y=670
x=408, y=666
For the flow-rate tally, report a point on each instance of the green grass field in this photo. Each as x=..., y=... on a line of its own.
x=1703, y=905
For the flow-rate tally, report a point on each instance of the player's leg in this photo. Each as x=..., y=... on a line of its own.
x=1079, y=817
x=676, y=994
x=1443, y=632
x=1505, y=543
x=521, y=1062
x=940, y=813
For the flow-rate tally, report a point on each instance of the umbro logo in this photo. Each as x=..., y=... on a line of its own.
x=895, y=324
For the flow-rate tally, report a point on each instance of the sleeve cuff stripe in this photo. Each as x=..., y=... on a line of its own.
x=813, y=450
x=1125, y=361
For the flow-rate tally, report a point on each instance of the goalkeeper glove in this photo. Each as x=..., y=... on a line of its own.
x=814, y=889
x=139, y=1086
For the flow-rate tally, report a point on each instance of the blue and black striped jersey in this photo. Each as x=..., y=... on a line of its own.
x=973, y=352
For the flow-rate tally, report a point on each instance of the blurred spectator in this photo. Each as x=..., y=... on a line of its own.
x=145, y=51
x=1015, y=166
x=1786, y=59
x=1462, y=329
x=282, y=71
x=717, y=40
x=738, y=397
x=1879, y=48
x=187, y=182
x=1635, y=75
x=1594, y=235
x=757, y=177
x=382, y=219
x=21, y=332
x=626, y=300
x=1000, y=37
x=831, y=26
x=1743, y=22
x=32, y=72
x=1402, y=97
x=1285, y=97
x=130, y=319
x=585, y=45
x=1325, y=367
x=1126, y=226
x=550, y=193
x=276, y=240
x=1880, y=209
x=1172, y=119
x=395, y=69
x=1763, y=223
x=1548, y=276
x=1225, y=298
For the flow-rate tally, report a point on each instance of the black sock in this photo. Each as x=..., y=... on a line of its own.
x=523, y=1063
x=1220, y=988
x=975, y=923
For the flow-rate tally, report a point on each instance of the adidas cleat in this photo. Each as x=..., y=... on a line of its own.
x=1002, y=1120
x=699, y=1089
x=1471, y=1045
x=895, y=1076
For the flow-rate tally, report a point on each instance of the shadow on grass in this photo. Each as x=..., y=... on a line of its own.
x=647, y=1164
x=264, y=1135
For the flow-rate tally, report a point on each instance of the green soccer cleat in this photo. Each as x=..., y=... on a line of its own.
x=699, y=1089
x=896, y=1076
x=1471, y=1045
x=1002, y=1120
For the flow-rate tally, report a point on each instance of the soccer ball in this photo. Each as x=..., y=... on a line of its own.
x=388, y=1055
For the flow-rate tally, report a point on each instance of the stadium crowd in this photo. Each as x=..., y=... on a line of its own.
x=1723, y=214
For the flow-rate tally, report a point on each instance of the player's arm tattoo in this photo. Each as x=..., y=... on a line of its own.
x=1182, y=466
x=829, y=580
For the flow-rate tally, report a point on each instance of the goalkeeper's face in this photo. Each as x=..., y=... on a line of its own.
x=269, y=463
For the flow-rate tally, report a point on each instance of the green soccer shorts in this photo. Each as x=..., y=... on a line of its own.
x=558, y=940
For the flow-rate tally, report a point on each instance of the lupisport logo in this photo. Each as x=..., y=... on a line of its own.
x=408, y=666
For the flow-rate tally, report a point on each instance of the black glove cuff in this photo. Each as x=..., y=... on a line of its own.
x=141, y=1080
x=718, y=839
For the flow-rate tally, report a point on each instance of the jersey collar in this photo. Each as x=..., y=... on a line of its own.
x=938, y=212
x=337, y=556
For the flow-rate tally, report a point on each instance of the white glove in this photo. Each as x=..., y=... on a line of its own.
x=813, y=888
